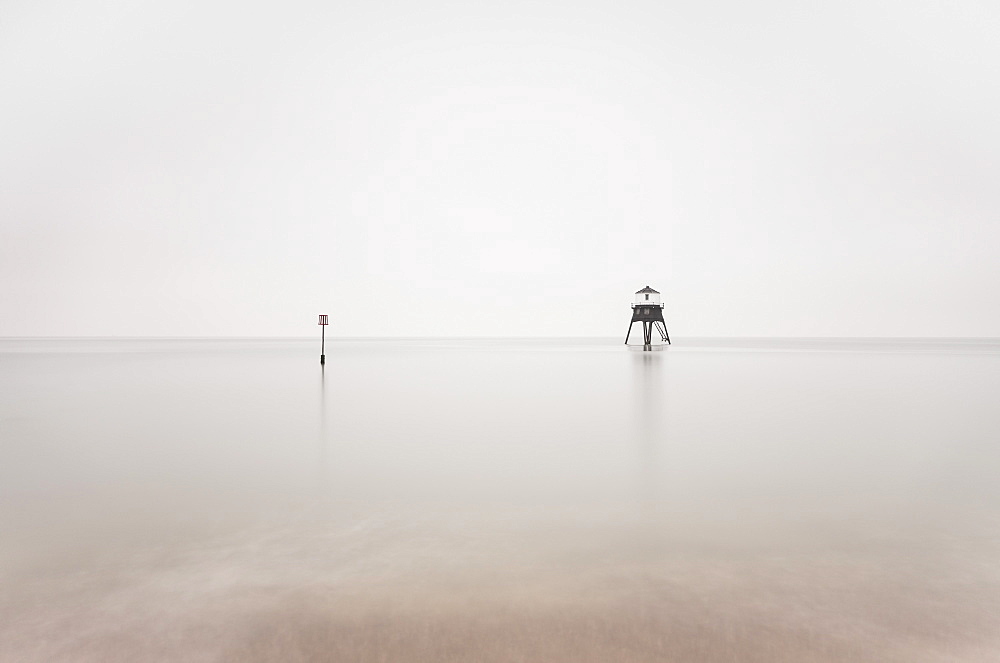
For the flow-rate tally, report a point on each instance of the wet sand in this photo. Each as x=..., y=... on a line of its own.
x=499, y=501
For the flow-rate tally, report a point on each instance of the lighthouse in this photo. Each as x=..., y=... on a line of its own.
x=648, y=310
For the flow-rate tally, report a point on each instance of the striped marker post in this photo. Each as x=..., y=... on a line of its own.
x=323, y=321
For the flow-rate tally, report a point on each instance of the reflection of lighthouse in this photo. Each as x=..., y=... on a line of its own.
x=648, y=310
x=650, y=403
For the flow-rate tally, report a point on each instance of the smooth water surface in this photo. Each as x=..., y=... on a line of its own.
x=499, y=500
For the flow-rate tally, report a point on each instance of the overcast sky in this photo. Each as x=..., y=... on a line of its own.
x=430, y=168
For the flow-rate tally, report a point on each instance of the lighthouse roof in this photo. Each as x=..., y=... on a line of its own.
x=646, y=289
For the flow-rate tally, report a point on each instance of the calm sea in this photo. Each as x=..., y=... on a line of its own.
x=500, y=500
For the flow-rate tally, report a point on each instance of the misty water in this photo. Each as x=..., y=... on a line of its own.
x=499, y=500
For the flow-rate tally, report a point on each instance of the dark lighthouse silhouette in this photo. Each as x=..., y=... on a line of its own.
x=648, y=310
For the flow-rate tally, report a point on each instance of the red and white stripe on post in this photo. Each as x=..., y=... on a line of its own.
x=323, y=320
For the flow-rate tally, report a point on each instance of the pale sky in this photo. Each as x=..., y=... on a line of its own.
x=432, y=168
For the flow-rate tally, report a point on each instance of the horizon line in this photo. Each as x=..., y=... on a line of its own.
x=487, y=338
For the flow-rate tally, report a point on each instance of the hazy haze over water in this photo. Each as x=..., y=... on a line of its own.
x=752, y=500
x=775, y=168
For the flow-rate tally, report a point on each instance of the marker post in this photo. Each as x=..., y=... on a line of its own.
x=323, y=322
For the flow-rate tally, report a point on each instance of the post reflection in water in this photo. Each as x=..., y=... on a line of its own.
x=323, y=447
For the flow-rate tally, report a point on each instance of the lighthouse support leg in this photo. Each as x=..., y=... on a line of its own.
x=629, y=332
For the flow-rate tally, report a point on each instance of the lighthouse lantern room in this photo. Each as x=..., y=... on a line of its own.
x=647, y=297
